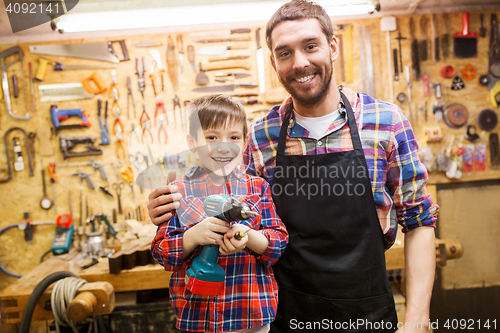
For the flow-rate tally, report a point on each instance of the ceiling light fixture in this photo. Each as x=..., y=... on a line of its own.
x=195, y=15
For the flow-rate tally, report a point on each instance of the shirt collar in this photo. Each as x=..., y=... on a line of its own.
x=351, y=95
x=198, y=171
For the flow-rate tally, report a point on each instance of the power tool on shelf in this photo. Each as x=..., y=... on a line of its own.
x=206, y=276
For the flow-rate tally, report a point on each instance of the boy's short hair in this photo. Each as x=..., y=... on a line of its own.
x=298, y=10
x=216, y=111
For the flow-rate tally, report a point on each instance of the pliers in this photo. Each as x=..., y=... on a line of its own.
x=162, y=129
x=159, y=104
x=140, y=76
x=118, y=131
x=176, y=103
x=129, y=94
x=145, y=123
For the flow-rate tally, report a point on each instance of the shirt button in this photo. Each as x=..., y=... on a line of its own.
x=320, y=143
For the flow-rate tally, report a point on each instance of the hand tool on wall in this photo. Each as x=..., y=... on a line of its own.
x=225, y=88
x=63, y=92
x=465, y=41
x=423, y=50
x=221, y=32
x=435, y=39
x=7, y=158
x=445, y=38
x=494, y=151
x=118, y=131
x=58, y=66
x=152, y=75
x=161, y=130
x=238, y=57
x=415, y=61
x=177, y=106
x=45, y=203
x=144, y=120
x=148, y=44
x=220, y=50
x=190, y=52
x=32, y=88
x=67, y=144
x=4, y=66
x=181, y=52
x=260, y=63
x=400, y=38
x=15, y=86
x=64, y=231
x=129, y=94
x=97, y=87
x=58, y=115
x=140, y=76
x=94, y=164
x=104, y=133
x=86, y=176
x=222, y=77
x=395, y=60
x=201, y=78
x=482, y=30
x=160, y=105
x=102, y=51
x=223, y=40
x=228, y=65
x=172, y=64
x=493, y=56
x=127, y=174
x=157, y=58
x=18, y=156
x=206, y=276
x=52, y=172
x=105, y=190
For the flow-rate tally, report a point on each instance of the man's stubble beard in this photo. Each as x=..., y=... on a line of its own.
x=326, y=81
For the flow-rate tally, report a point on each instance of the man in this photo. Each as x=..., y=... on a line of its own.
x=344, y=171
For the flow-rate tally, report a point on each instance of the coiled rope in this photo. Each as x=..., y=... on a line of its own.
x=63, y=293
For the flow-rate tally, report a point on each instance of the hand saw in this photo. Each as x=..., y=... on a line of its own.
x=102, y=51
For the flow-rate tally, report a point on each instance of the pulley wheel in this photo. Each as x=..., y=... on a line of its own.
x=487, y=119
x=456, y=115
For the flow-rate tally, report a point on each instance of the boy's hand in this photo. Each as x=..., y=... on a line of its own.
x=229, y=245
x=163, y=200
x=208, y=231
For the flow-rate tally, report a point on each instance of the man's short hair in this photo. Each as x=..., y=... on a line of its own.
x=298, y=10
x=216, y=111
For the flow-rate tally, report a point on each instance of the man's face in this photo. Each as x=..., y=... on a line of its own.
x=302, y=57
x=219, y=149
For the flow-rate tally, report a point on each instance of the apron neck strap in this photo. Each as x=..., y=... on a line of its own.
x=351, y=120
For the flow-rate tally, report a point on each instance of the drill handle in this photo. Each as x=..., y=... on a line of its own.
x=209, y=253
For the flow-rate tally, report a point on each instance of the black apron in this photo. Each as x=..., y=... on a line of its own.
x=332, y=275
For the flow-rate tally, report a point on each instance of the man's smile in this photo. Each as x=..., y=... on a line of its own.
x=305, y=79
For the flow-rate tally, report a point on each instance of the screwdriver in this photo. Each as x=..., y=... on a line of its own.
x=52, y=170
x=240, y=234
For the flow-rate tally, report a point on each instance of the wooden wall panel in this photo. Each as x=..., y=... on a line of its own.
x=23, y=193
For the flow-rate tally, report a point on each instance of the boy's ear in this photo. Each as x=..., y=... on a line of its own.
x=191, y=143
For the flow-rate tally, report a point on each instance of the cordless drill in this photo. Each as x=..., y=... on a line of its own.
x=206, y=276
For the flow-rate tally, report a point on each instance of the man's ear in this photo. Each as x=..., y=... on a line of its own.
x=191, y=143
x=334, y=47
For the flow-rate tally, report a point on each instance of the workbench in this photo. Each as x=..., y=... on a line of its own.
x=13, y=299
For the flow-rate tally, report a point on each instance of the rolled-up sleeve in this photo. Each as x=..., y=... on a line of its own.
x=407, y=178
x=167, y=244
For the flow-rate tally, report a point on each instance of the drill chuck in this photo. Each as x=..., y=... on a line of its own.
x=227, y=208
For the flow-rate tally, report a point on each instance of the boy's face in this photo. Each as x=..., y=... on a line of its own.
x=220, y=149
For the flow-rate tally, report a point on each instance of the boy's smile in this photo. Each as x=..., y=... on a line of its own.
x=219, y=149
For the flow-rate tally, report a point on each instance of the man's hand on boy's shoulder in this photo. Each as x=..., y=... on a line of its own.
x=162, y=201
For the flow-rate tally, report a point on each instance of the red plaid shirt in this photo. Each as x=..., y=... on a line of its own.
x=250, y=294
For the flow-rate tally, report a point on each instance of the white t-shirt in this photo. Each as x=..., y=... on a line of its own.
x=317, y=126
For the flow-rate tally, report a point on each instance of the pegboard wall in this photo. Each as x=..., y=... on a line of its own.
x=23, y=193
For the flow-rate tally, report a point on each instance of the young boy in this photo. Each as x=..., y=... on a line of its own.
x=248, y=300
